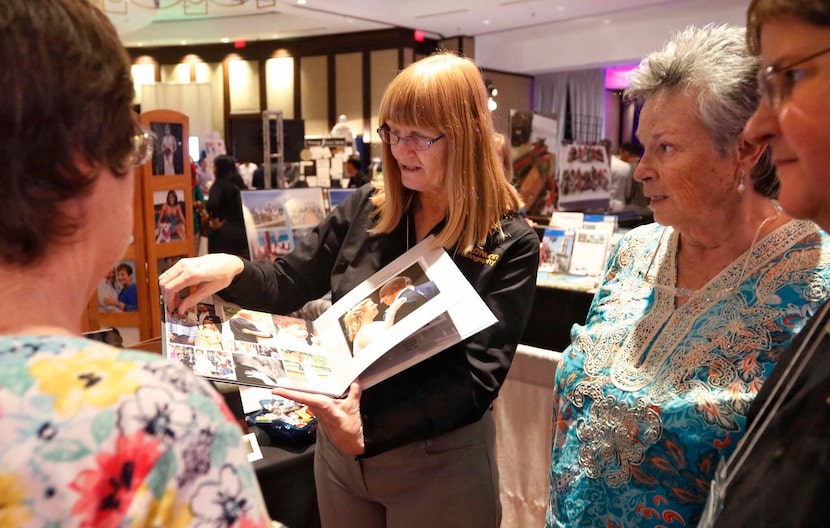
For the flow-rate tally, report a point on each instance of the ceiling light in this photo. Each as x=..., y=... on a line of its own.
x=225, y=40
x=486, y=22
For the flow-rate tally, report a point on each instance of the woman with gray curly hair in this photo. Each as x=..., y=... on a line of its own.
x=693, y=310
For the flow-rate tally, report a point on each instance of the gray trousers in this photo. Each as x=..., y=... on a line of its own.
x=446, y=482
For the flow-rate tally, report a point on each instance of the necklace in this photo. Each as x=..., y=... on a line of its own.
x=409, y=246
x=711, y=294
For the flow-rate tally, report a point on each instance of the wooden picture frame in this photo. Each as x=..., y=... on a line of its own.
x=157, y=186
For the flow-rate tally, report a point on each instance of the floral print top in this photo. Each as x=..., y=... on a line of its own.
x=96, y=436
x=650, y=395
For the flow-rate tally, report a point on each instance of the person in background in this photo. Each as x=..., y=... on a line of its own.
x=693, y=311
x=198, y=208
x=92, y=436
x=356, y=176
x=246, y=171
x=204, y=175
x=226, y=224
x=416, y=449
x=619, y=187
x=631, y=152
x=506, y=155
x=779, y=475
x=342, y=129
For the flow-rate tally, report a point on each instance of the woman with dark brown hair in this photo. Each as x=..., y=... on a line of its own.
x=91, y=435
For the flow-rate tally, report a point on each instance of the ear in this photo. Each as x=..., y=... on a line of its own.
x=749, y=152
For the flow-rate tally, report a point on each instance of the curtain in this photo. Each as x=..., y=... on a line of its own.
x=586, y=90
x=192, y=99
x=551, y=94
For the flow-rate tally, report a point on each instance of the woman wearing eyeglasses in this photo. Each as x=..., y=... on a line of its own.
x=416, y=449
x=779, y=474
x=91, y=435
x=693, y=310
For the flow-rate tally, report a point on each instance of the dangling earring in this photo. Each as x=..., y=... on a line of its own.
x=741, y=189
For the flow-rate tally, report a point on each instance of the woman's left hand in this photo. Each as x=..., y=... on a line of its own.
x=339, y=417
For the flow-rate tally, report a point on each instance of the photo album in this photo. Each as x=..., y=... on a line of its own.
x=413, y=308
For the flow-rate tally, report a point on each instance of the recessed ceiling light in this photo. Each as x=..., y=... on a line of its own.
x=485, y=22
x=560, y=8
x=140, y=44
x=225, y=40
x=184, y=42
x=301, y=2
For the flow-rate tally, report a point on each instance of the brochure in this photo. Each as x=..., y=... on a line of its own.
x=413, y=308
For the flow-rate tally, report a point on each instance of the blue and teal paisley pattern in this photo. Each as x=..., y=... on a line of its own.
x=649, y=396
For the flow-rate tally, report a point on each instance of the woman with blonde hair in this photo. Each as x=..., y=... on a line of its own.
x=416, y=449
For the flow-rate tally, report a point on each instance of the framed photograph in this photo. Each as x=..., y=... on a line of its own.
x=117, y=291
x=379, y=311
x=168, y=153
x=169, y=216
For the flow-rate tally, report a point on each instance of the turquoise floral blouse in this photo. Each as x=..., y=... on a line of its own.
x=96, y=436
x=649, y=396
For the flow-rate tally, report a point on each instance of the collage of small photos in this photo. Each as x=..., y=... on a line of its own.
x=276, y=218
x=224, y=342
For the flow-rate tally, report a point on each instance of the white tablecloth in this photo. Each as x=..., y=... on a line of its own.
x=523, y=435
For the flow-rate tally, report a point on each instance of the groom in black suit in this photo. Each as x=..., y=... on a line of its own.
x=401, y=288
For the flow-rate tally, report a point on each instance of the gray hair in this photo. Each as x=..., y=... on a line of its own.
x=714, y=62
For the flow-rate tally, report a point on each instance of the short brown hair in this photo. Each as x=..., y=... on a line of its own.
x=816, y=12
x=66, y=103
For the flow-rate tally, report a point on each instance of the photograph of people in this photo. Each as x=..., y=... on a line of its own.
x=90, y=435
x=168, y=159
x=441, y=176
x=209, y=334
x=778, y=474
x=258, y=370
x=401, y=292
x=169, y=215
x=361, y=324
x=693, y=311
x=127, y=299
x=245, y=328
x=108, y=288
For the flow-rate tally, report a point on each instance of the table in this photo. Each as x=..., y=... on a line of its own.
x=555, y=310
x=523, y=413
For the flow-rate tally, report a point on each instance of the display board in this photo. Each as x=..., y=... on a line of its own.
x=167, y=203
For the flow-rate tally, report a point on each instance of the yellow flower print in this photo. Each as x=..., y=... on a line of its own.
x=165, y=511
x=12, y=510
x=90, y=376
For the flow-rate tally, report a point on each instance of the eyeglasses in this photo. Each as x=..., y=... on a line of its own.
x=776, y=83
x=143, y=142
x=413, y=142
